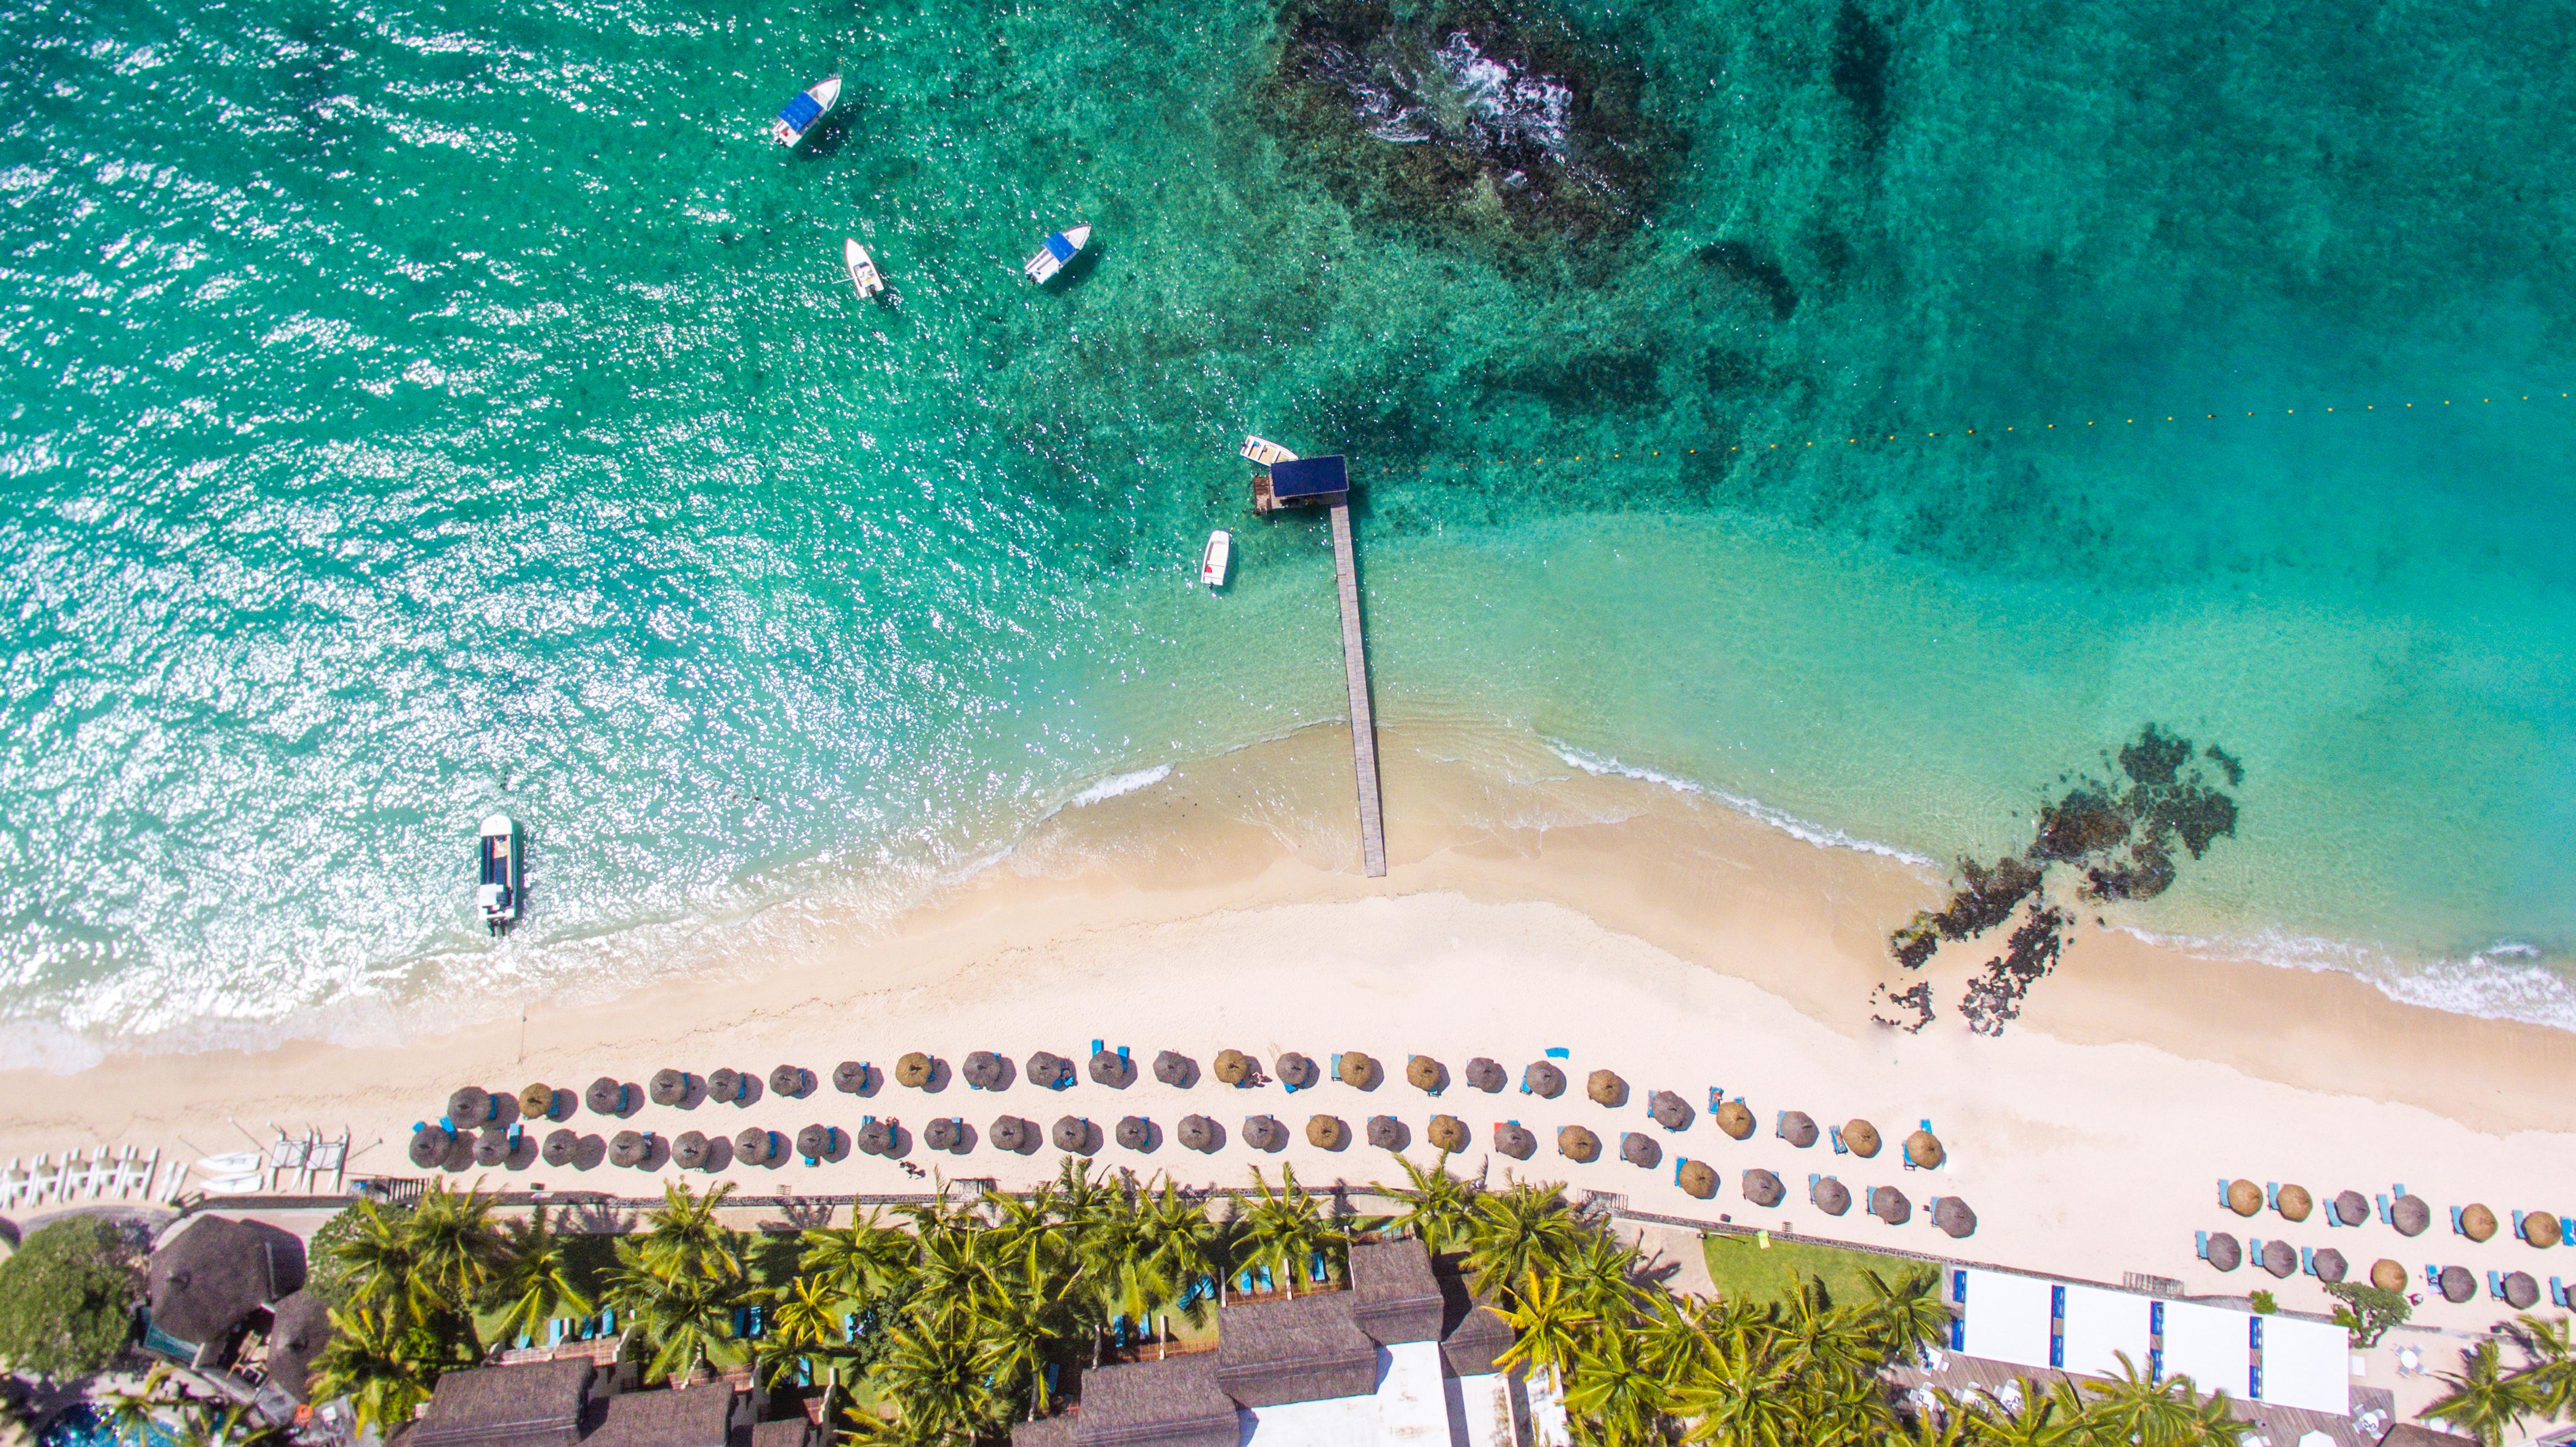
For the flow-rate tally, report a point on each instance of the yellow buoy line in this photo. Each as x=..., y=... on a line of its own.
x=2035, y=429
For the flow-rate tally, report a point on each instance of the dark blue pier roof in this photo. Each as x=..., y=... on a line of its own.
x=1309, y=477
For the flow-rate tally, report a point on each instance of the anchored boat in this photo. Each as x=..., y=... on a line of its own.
x=863, y=270
x=1212, y=563
x=497, y=894
x=1061, y=247
x=802, y=113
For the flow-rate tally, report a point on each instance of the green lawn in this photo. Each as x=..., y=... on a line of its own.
x=1746, y=1272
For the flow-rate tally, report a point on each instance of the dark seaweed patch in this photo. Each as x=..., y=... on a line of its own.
x=1917, y=1000
x=1741, y=262
x=2117, y=832
x=1588, y=381
x=1862, y=55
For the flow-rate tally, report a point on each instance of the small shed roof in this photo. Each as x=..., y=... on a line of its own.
x=1472, y=1333
x=786, y=1432
x=532, y=1404
x=1309, y=477
x=1171, y=1403
x=1304, y=1350
x=204, y=1281
x=684, y=1417
x=1394, y=1297
x=301, y=1328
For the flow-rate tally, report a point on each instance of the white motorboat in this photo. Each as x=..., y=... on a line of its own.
x=805, y=111
x=1212, y=563
x=497, y=892
x=1266, y=452
x=863, y=268
x=1060, y=247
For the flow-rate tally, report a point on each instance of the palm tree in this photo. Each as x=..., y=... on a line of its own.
x=384, y=1362
x=804, y=1325
x=2485, y=1401
x=536, y=1279
x=2549, y=1377
x=1439, y=1206
x=858, y=1258
x=2140, y=1410
x=1516, y=1232
x=234, y=1426
x=1615, y=1393
x=455, y=1248
x=379, y=1262
x=1549, y=1328
x=683, y=1236
x=1284, y=1228
x=939, y=1384
x=1181, y=1247
x=2043, y=1419
x=1740, y=1395
x=684, y=1314
x=132, y=1416
x=1602, y=1273
x=1910, y=1315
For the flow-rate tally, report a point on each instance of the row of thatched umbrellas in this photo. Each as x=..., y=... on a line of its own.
x=2456, y=1283
x=2408, y=1213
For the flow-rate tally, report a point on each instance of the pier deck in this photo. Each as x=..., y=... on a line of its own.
x=1363, y=719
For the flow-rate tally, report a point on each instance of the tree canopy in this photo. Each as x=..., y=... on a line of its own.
x=67, y=1299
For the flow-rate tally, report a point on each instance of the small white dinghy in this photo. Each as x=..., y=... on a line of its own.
x=863, y=270
x=802, y=113
x=1061, y=247
x=1212, y=563
x=1266, y=452
x=496, y=892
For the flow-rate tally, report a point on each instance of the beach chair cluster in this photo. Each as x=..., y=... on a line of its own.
x=109, y=1173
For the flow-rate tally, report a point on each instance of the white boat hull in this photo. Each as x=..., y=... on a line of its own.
x=863, y=268
x=1219, y=555
x=1058, y=252
x=787, y=129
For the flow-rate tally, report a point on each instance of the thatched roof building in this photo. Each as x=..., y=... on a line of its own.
x=202, y=1285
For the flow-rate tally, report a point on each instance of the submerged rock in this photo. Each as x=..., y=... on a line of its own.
x=1468, y=120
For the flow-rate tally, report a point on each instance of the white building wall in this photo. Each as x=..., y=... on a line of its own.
x=1408, y=1409
x=1480, y=1411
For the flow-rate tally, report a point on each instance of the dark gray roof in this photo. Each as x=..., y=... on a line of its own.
x=1472, y=1333
x=2414, y=1434
x=206, y=1280
x=1054, y=1431
x=1393, y=1295
x=1305, y=1350
x=532, y=1404
x=786, y=1432
x=301, y=1327
x=1170, y=1403
x=684, y=1417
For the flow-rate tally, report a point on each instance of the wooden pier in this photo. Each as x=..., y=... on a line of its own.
x=1363, y=718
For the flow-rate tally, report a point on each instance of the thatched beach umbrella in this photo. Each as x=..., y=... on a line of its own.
x=1448, y=1133
x=1923, y=1151
x=947, y=1133
x=1297, y=1070
x=429, y=1147
x=1953, y=1217
x=1327, y=1132
x=815, y=1142
x=1135, y=1133
x=1264, y=1133
x=1112, y=1069
x=1829, y=1195
x=1698, y=1178
x=2520, y=1291
x=1764, y=1189
x=2224, y=1252
x=2350, y=1207
x=492, y=1148
x=1543, y=1079
x=536, y=1102
x=605, y=1096
x=1669, y=1110
x=724, y=1085
x=1797, y=1128
x=1860, y=1138
x=753, y=1147
x=791, y=1081
x=1511, y=1139
x=853, y=1077
x=1173, y=1068
x=2244, y=1197
x=1075, y=1134
x=1426, y=1074
x=1011, y=1133
x=2330, y=1265
x=470, y=1105
x=1640, y=1149
x=2540, y=1228
x=561, y=1146
x=1606, y=1088
x=1233, y=1067
x=1735, y=1118
x=1201, y=1134
x=2280, y=1258
x=1889, y=1204
x=1487, y=1075
x=2477, y=1223
x=630, y=1148
x=1387, y=1133
x=2389, y=1275
x=1577, y=1144
x=914, y=1070
x=1048, y=1070
x=983, y=1070
x=2410, y=1215
x=690, y=1149
x=1357, y=1070
x=876, y=1137
x=668, y=1086
x=2458, y=1284
x=2294, y=1203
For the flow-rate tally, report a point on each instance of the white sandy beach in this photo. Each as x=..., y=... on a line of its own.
x=1663, y=937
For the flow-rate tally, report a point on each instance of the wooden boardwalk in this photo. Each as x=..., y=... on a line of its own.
x=1363, y=719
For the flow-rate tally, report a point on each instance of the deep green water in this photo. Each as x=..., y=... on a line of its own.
x=409, y=410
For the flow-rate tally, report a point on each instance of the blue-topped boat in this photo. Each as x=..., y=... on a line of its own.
x=1060, y=248
x=809, y=107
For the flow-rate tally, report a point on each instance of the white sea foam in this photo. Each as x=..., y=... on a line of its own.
x=1754, y=809
x=1117, y=784
x=2508, y=980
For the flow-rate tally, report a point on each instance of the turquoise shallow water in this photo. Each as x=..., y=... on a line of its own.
x=409, y=410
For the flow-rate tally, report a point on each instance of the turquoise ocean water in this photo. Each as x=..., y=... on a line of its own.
x=409, y=410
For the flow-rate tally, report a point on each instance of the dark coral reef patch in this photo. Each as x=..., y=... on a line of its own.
x=1467, y=121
